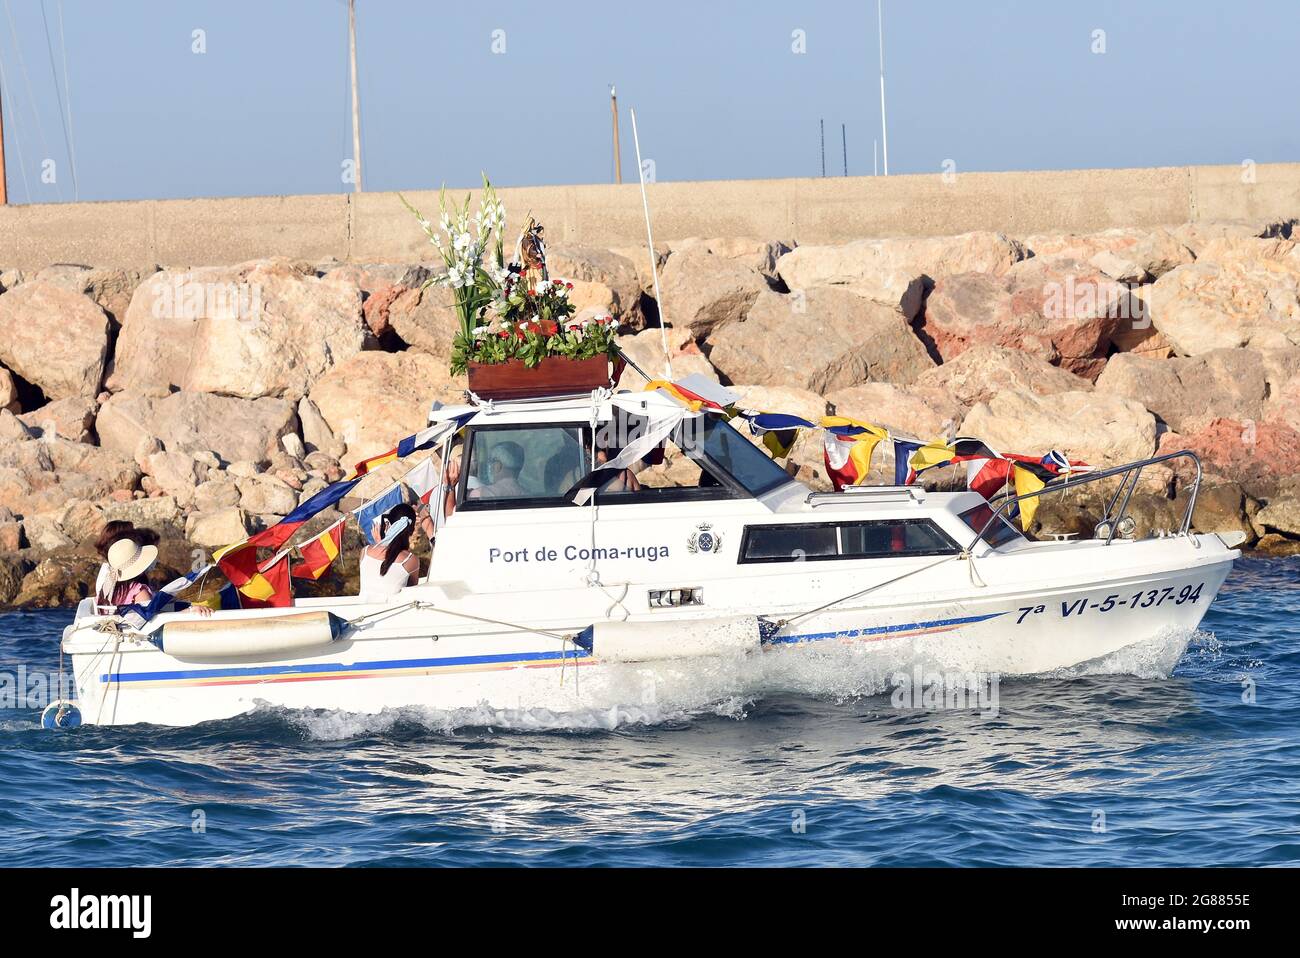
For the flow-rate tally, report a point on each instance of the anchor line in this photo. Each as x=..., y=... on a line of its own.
x=781, y=623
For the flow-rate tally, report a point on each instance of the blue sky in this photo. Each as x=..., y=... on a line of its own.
x=718, y=89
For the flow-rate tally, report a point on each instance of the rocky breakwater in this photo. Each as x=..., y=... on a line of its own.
x=207, y=402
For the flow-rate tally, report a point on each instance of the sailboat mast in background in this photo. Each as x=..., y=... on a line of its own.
x=356, y=100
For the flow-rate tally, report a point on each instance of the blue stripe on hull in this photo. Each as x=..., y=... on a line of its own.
x=335, y=667
x=883, y=629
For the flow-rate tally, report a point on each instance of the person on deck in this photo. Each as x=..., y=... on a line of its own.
x=112, y=532
x=127, y=560
x=390, y=566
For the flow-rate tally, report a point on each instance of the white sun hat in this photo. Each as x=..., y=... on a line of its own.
x=128, y=559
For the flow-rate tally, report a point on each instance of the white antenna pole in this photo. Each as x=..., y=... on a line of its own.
x=654, y=266
x=356, y=101
x=884, y=128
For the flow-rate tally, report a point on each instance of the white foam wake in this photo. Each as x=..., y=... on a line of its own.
x=650, y=694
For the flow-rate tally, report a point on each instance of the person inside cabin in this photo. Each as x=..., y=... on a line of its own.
x=390, y=566
x=505, y=463
x=624, y=480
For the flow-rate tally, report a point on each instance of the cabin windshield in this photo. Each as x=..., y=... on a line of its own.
x=712, y=439
x=536, y=465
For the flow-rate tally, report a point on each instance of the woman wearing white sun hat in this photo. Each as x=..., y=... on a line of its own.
x=127, y=562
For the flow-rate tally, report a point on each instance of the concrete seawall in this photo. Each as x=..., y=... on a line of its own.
x=375, y=227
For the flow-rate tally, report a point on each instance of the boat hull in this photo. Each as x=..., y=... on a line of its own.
x=424, y=658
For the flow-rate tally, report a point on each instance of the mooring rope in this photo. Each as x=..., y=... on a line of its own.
x=430, y=607
x=789, y=620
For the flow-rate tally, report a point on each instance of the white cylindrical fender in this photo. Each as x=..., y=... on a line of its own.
x=218, y=638
x=653, y=641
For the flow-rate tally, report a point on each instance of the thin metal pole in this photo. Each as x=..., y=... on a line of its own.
x=822, y=125
x=356, y=99
x=618, y=163
x=654, y=266
x=884, y=127
x=4, y=187
x=844, y=143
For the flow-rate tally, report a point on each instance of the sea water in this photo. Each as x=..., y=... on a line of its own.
x=773, y=762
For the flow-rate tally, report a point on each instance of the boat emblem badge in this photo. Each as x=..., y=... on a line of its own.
x=704, y=539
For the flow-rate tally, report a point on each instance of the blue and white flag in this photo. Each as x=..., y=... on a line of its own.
x=137, y=615
x=376, y=507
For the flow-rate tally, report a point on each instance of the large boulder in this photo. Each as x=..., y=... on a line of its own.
x=1258, y=455
x=425, y=319
x=1282, y=513
x=762, y=255
x=266, y=495
x=234, y=429
x=12, y=428
x=374, y=399
x=111, y=289
x=1200, y=234
x=265, y=328
x=1127, y=255
x=212, y=530
x=11, y=578
x=703, y=292
x=1234, y=295
x=63, y=579
x=41, y=475
x=174, y=474
x=1101, y=429
x=820, y=339
x=54, y=338
x=316, y=432
x=9, y=392
x=646, y=349
x=980, y=372
x=156, y=512
x=896, y=272
x=917, y=411
x=72, y=418
x=1187, y=392
x=1063, y=312
x=600, y=278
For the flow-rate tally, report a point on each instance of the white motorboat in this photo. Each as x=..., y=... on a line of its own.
x=560, y=594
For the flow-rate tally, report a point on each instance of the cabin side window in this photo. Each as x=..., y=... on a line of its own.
x=862, y=539
x=520, y=466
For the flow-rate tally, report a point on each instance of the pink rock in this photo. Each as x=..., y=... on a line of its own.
x=376, y=308
x=1258, y=455
x=1064, y=312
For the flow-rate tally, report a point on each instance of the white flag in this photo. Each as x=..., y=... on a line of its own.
x=422, y=480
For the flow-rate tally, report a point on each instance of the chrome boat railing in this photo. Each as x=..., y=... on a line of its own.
x=1131, y=473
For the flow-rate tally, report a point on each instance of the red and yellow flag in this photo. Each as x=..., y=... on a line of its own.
x=270, y=587
x=259, y=585
x=319, y=553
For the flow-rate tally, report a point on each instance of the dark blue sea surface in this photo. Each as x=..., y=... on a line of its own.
x=1098, y=769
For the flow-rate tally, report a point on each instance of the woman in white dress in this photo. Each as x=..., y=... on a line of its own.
x=390, y=565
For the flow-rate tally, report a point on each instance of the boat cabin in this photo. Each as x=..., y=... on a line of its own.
x=664, y=506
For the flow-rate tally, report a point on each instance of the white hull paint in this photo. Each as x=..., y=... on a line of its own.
x=1031, y=610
